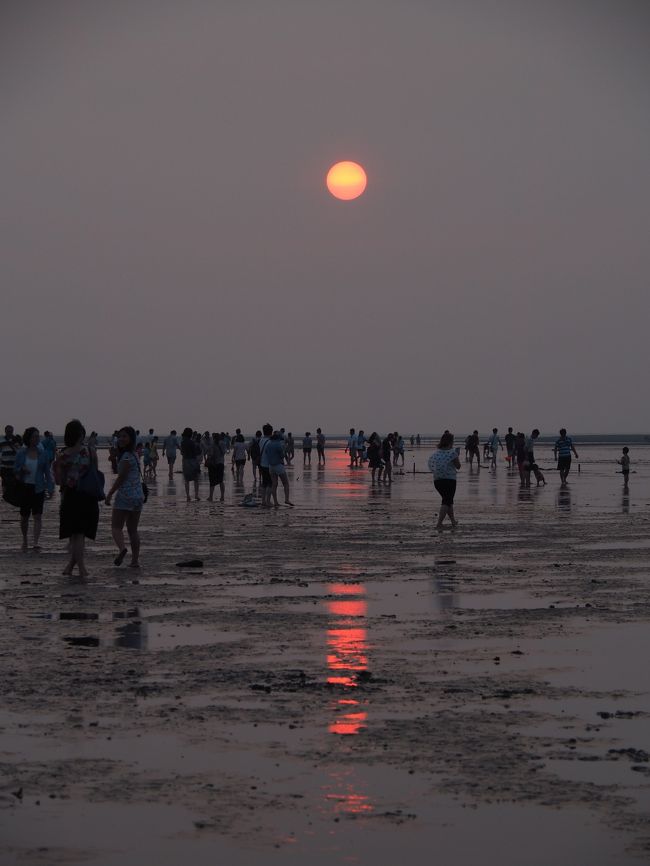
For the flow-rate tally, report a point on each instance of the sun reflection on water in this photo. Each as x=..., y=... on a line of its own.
x=344, y=797
x=347, y=654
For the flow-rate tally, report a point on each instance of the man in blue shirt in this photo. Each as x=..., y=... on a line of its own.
x=274, y=453
x=562, y=450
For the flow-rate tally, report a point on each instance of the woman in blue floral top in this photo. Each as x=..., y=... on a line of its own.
x=129, y=497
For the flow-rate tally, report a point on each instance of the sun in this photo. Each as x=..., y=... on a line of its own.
x=346, y=180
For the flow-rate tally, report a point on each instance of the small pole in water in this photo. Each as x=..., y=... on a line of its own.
x=578, y=468
x=414, y=467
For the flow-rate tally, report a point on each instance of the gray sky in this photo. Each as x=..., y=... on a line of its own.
x=170, y=254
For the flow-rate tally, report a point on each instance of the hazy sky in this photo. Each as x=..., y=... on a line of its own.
x=170, y=254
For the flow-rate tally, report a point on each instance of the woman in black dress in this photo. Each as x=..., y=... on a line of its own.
x=79, y=514
x=191, y=454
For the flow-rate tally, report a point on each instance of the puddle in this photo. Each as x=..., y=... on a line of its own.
x=603, y=658
x=155, y=636
x=404, y=598
x=104, y=616
x=341, y=815
x=167, y=636
x=605, y=771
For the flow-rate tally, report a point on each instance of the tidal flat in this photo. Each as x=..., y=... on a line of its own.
x=337, y=683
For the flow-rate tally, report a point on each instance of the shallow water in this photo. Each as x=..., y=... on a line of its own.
x=332, y=671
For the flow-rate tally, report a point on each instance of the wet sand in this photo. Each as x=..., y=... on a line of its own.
x=337, y=683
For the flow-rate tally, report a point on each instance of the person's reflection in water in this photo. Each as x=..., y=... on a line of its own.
x=525, y=495
x=473, y=478
x=625, y=501
x=443, y=592
x=563, y=499
x=132, y=635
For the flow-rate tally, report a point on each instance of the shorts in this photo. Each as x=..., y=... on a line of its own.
x=564, y=463
x=215, y=474
x=240, y=462
x=265, y=472
x=306, y=450
x=446, y=487
x=33, y=504
x=278, y=469
x=171, y=459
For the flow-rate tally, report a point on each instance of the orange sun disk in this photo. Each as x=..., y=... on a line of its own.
x=346, y=180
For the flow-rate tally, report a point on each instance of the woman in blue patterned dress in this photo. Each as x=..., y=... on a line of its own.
x=129, y=498
x=444, y=463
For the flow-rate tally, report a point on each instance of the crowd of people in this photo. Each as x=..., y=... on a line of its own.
x=520, y=455
x=32, y=465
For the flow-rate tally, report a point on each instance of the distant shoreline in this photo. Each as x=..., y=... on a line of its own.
x=428, y=440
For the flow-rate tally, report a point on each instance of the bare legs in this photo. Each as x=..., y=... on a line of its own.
x=77, y=550
x=196, y=490
x=131, y=519
x=24, y=528
x=446, y=510
x=274, y=489
x=222, y=490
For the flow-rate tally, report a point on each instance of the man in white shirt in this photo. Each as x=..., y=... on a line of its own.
x=495, y=443
x=170, y=446
x=351, y=448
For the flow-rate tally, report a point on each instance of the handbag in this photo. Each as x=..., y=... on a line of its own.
x=15, y=492
x=91, y=483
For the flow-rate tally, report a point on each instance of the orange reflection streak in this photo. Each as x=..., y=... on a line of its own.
x=351, y=723
x=347, y=654
x=347, y=589
x=346, y=490
x=344, y=798
x=347, y=608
